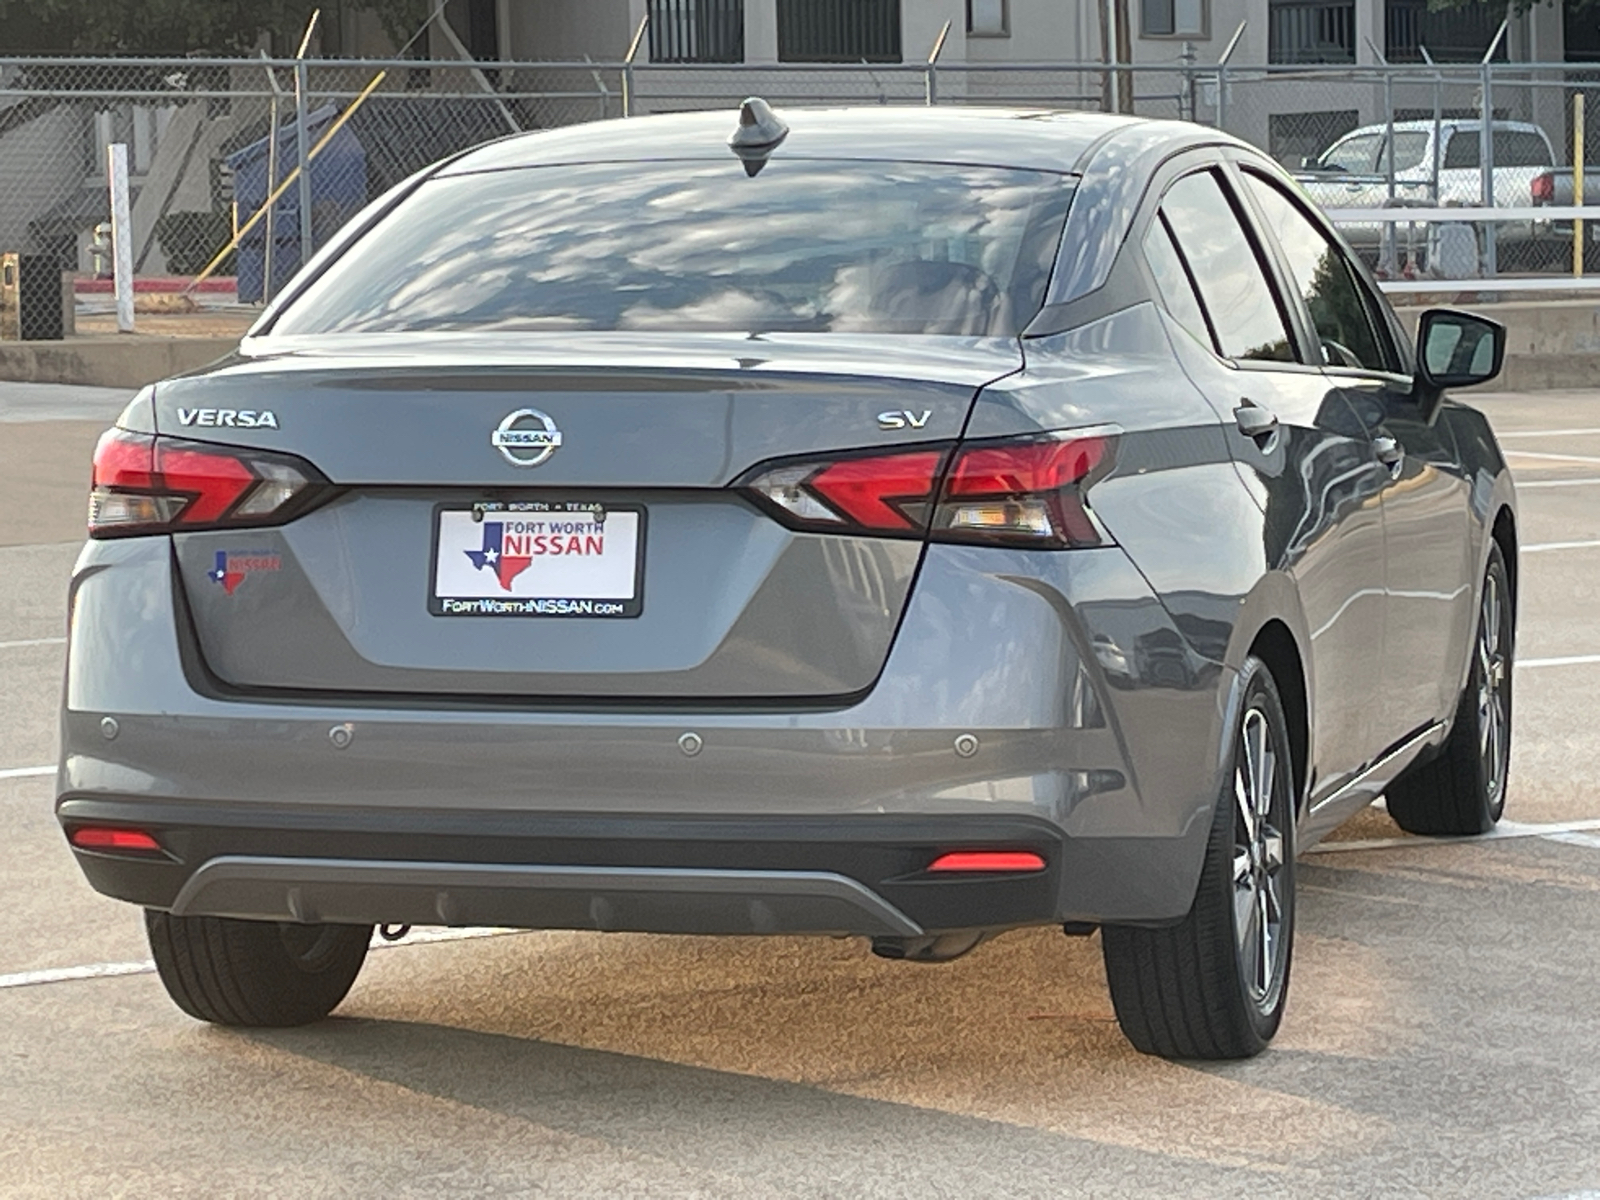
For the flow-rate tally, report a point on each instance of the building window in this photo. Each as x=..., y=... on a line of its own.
x=1315, y=32
x=988, y=18
x=696, y=31
x=1461, y=33
x=841, y=31
x=1173, y=18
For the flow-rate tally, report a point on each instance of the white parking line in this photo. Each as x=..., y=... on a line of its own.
x=1571, y=660
x=1516, y=433
x=147, y=967
x=25, y=772
x=1540, y=547
x=1549, y=483
x=50, y=641
x=1565, y=831
x=1581, y=458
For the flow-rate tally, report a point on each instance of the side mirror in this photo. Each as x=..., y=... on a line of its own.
x=1455, y=349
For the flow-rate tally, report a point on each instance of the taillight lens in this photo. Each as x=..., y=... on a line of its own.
x=889, y=494
x=148, y=484
x=1025, y=492
x=1544, y=188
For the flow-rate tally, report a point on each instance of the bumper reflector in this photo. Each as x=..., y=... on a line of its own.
x=98, y=837
x=988, y=860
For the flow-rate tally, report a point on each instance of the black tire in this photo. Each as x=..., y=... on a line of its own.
x=255, y=973
x=1192, y=990
x=1462, y=790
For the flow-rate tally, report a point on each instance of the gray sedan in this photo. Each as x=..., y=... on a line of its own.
x=896, y=523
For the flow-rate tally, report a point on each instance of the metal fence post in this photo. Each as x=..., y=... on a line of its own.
x=1222, y=75
x=272, y=185
x=1188, y=59
x=627, y=65
x=1491, y=264
x=931, y=75
x=302, y=135
x=1486, y=166
x=1391, y=262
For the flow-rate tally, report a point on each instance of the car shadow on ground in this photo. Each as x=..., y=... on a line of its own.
x=768, y=1133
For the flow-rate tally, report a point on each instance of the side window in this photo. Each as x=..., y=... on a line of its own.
x=1520, y=148
x=1226, y=271
x=1347, y=329
x=1172, y=279
x=1355, y=154
x=1461, y=151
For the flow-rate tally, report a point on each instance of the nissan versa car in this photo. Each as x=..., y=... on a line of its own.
x=911, y=524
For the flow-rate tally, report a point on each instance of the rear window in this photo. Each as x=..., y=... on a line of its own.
x=875, y=247
x=1512, y=148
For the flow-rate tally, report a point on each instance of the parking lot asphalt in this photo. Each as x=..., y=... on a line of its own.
x=1441, y=1038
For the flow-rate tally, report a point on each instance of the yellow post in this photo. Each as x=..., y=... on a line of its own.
x=1577, y=182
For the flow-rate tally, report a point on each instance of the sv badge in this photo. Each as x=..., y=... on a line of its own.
x=904, y=419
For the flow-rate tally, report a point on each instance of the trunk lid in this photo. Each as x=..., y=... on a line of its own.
x=729, y=604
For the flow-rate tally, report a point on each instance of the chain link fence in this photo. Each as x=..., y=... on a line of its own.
x=204, y=158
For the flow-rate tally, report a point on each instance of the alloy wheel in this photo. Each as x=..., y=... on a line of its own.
x=1260, y=788
x=1494, y=692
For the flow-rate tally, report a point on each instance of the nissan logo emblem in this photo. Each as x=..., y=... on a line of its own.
x=526, y=437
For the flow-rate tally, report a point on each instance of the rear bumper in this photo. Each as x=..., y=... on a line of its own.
x=570, y=871
x=1031, y=700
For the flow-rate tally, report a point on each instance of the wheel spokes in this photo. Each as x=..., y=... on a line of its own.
x=1266, y=946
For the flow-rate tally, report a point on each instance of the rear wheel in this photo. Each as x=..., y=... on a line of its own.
x=1463, y=790
x=1213, y=986
x=255, y=973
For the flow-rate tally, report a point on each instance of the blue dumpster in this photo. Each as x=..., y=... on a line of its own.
x=338, y=191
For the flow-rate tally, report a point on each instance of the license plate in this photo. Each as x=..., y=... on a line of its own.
x=538, y=559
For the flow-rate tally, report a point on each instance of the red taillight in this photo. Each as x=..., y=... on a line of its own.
x=1027, y=492
x=101, y=837
x=888, y=493
x=1544, y=188
x=879, y=493
x=145, y=484
x=988, y=861
x=1023, y=492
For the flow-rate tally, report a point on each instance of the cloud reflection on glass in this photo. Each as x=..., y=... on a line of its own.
x=805, y=246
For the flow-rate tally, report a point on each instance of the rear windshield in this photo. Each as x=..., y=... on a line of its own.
x=872, y=247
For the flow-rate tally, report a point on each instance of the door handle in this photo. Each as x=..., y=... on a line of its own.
x=1388, y=450
x=1255, y=421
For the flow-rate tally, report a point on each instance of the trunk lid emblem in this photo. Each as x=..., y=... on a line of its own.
x=526, y=437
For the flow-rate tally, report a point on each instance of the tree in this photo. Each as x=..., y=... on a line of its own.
x=1517, y=7
x=172, y=27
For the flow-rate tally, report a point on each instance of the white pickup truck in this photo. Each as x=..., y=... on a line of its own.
x=1354, y=173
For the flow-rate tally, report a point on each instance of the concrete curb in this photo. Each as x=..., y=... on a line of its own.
x=125, y=361
x=1552, y=345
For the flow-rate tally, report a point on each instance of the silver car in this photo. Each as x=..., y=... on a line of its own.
x=897, y=523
